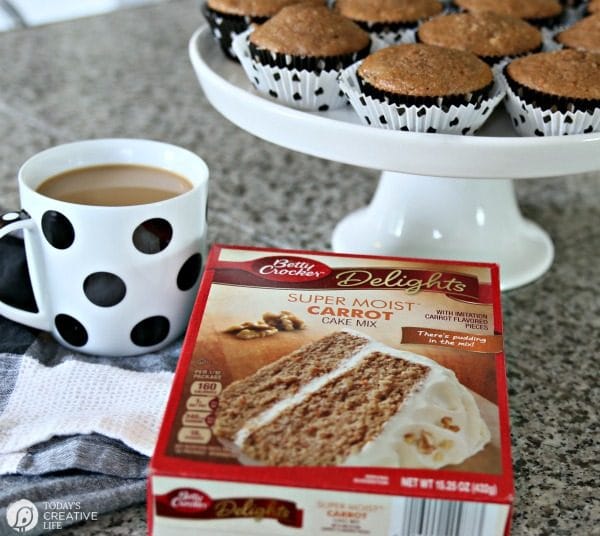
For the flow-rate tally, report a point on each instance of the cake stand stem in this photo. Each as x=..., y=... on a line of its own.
x=447, y=218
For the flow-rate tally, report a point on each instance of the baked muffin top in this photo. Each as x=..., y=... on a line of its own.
x=593, y=6
x=388, y=10
x=523, y=9
x=485, y=34
x=562, y=73
x=425, y=71
x=256, y=8
x=310, y=30
x=583, y=35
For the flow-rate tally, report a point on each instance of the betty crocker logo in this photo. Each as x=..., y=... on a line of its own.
x=290, y=269
x=189, y=500
x=187, y=503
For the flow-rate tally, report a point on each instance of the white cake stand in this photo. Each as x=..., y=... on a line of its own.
x=440, y=196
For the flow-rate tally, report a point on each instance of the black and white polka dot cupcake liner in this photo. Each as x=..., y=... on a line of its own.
x=397, y=33
x=454, y=119
x=315, y=89
x=549, y=42
x=530, y=118
x=574, y=12
x=391, y=35
x=225, y=27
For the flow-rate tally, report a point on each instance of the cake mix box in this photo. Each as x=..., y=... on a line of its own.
x=322, y=393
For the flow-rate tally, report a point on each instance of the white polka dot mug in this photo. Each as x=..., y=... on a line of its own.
x=111, y=280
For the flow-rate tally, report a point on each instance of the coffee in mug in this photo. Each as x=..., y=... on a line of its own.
x=114, y=185
x=115, y=239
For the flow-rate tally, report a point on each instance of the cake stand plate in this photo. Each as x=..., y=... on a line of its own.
x=440, y=196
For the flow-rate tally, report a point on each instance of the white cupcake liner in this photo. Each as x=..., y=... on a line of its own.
x=406, y=35
x=549, y=43
x=409, y=35
x=463, y=119
x=529, y=120
x=573, y=14
x=301, y=89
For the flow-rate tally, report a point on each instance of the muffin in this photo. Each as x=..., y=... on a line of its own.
x=593, y=6
x=422, y=88
x=490, y=36
x=392, y=21
x=554, y=93
x=541, y=13
x=582, y=35
x=296, y=56
x=228, y=18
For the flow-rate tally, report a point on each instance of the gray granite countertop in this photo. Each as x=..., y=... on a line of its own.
x=127, y=74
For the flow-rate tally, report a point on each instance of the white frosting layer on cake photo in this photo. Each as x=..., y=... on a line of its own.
x=439, y=424
x=412, y=412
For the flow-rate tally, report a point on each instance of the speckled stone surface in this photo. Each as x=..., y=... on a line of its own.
x=127, y=74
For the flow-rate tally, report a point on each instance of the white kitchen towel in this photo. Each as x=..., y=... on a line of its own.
x=79, y=397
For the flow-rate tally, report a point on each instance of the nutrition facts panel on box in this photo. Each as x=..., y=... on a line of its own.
x=192, y=433
x=199, y=416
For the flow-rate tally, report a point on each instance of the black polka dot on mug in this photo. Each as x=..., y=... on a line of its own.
x=71, y=330
x=189, y=272
x=150, y=331
x=57, y=229
x=104, y=289
x=152, y=236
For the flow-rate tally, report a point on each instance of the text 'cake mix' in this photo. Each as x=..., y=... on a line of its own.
x=321, y=393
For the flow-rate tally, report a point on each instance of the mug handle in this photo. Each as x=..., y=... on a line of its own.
x=10, y=222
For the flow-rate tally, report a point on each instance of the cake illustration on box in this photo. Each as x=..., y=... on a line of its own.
x=348, y=400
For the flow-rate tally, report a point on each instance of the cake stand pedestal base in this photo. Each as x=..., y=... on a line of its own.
x=446, y=218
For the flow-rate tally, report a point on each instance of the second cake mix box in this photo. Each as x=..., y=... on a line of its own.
x=322, y=393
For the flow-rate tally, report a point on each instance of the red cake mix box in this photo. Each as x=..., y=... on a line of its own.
x=322, y=393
